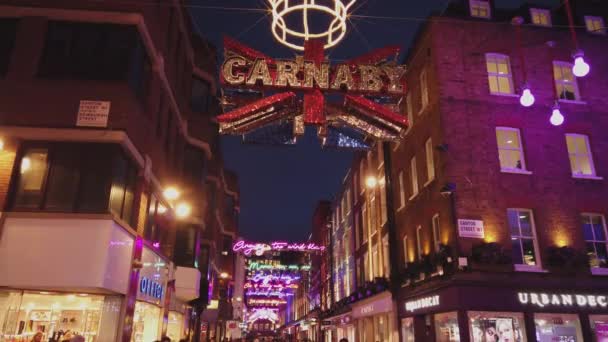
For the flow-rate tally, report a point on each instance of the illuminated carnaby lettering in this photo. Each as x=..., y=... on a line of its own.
x=306, y=75
x=559, y=299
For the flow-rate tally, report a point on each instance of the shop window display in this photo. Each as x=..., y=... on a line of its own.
x=496, y=327
x=599, y=327
x=446, y=327
x=407, y=330
x=57, y=316
x=557, y=327
x=175, y=325
x=146, y=322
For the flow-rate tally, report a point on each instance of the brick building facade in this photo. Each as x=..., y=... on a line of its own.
x=85, y=217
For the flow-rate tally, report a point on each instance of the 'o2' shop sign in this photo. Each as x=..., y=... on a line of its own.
x=470, y=228
x=150, y=288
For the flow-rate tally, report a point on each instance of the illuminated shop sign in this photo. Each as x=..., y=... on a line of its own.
x=150, y=288
x=559, y=299
x=267, y=293
x=422, y=303
x=257, y=248
x=267, y=278
x=250, y=285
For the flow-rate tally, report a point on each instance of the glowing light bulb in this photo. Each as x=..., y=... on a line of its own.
x=182, y=210
x=371, y=182
x=580, y=68
x=556, y=117
x=526, y=99
x=171, y=193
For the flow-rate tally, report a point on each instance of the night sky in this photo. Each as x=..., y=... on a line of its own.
x=280, y=186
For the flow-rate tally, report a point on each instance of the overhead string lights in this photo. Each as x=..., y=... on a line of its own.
x=580, y=67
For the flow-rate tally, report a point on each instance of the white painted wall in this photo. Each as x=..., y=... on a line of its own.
x=65, y=254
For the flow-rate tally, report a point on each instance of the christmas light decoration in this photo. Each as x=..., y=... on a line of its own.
x=268, y=278
x=263, y=313
x=335, y=13
x=266, y=302
x=556, y=118
x=281, y=118
x=526, y=99
x=580, y=67
x=260, y=266
x=247, y=248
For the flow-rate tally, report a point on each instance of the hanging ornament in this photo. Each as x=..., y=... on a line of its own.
x=556, y=118
x=580, y=67
x=526, y=99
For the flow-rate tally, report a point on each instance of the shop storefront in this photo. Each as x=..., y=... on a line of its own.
x=71, y=280
x=58, y=316
x=498, y=314
x=151, y=291
x=375, y=319
x=337, y=327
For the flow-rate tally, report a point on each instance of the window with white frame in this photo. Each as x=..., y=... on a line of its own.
x=430, y=163
x=523, y=237
x=424, y=91
x=419, y=242
x=383, y=213
x=510, y=149
x=414, y=176
x=500, y=78
x=375, y=261
x=566, y=87
x=436, y=232
x=385, y=257
x=579, y=153
x=541, y=17
x=401, y=190
x=595, y=24
x=480, y=8
x=406, y=258
x=594, y=231
x=380, y=156
x=365, y=224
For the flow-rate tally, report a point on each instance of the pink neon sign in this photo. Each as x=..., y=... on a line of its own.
x=258, y=248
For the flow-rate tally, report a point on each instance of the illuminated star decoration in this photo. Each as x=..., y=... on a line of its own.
x=372, y=87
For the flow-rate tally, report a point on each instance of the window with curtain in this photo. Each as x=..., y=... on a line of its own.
x=579, y=153
x=566, y=86
x=510, y=149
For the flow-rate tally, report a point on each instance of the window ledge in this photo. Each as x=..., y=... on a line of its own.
x=413, y=196
x=600, y=271
x=504, y=94
x=572, y=101
x=428, y=182
x=528, y=268
x=516, y=171
x=587, y=177
x=400, y=208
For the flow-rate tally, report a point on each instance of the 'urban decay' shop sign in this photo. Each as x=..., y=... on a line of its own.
x=422, y=303
x=555, y=299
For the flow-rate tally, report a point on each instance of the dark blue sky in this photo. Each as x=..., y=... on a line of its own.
x=280, y=186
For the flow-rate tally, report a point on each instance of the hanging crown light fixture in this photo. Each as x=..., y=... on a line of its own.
x=287, y=12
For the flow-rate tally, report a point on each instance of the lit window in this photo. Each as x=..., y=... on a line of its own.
x=380, y=153
x=480, y=8
x=383, y=215
x=595, y=24
x=401, y=191
x=541, y=17
x=419, y=242
x=362, y=174
x=523, y=238
x=510, y=150
x=566, y=87
x=414, y=175
x=424, y=91
x=436, y=232
x=581, y=161
x=499, y=74
x=594, y=231
x=405, y=257
x=430, y=163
